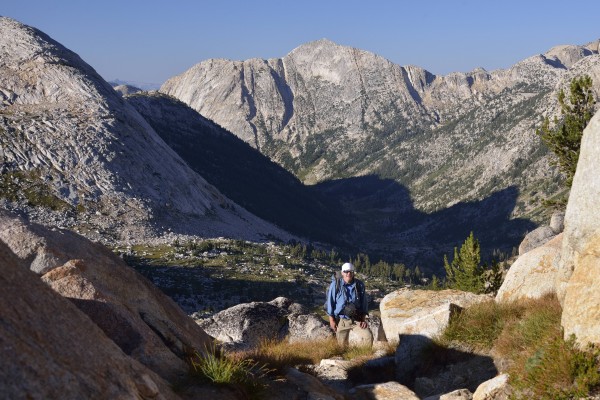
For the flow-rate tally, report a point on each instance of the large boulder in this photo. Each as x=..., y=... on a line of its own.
x=429, y=368
x=557, y=222
x=307, y=327
x=376, y=328
x=460, y=394
x=533, y=274
x=312, y=386
x=383, y=391
x=139, y=318
x=579, y=273
x=494, y=389
x=536, y=238
x=422, y=312
x=246, y=325
x=49, y=349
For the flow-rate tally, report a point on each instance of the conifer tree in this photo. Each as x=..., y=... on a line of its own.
x=465, y=273
x=494, y=278
x=564, y=138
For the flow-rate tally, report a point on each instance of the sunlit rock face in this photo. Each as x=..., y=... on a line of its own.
x=579, y=272
x=422, y=312
x=140, y=319
x=51, y=349
x=74, y=153
x=533, y=274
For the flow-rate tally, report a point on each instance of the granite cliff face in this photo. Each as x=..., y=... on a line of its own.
x=326, y=111
x=69, y=143
x=577, y=278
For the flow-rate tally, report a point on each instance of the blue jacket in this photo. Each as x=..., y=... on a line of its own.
x=353, y=293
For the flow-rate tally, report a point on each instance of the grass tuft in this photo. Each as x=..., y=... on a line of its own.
x=220, y=368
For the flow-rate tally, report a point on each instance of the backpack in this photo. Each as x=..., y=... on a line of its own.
x=335, y=277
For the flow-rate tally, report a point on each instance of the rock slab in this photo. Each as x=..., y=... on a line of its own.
x=139, y=318
x=533, y=274
x=50, y=349
x=579, y=273
x=422, y=312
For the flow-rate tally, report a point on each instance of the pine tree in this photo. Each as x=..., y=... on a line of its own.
x=465, y=273
x=418, y=275
x=564, y=138
x=494, y=278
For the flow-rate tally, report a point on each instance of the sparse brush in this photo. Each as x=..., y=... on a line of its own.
x=358, y=353
x=280, y=355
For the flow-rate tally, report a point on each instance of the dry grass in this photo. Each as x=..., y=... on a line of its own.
x=479, y=326
x=537, y=319
x=542, y=365
x=282, y=354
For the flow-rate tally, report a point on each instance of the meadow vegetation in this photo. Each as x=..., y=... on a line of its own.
x=30, y=187
x=211, y=275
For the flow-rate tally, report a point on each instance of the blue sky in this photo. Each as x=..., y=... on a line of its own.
x=150, y=41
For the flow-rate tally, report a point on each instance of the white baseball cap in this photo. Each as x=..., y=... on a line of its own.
x=348, y=267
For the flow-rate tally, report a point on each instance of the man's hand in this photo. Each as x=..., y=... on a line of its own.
x=332, y=324
x=363, y=324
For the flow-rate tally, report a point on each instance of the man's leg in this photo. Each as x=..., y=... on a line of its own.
x=343, y=331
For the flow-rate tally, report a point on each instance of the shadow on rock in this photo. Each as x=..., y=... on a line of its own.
x=387, y=222
x=428, y=368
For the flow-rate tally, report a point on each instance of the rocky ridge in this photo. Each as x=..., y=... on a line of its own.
x=327, y=111
x=125, y=90
x=75, y=154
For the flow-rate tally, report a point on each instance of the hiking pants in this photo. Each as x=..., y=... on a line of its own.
x=365, y=337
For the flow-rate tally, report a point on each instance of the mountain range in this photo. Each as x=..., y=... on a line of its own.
x=329, y=144
x=398, y=145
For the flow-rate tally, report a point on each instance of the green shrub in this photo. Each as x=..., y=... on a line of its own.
x=27, y=185
x=564, y=139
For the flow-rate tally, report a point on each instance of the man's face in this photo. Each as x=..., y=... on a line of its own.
x=348, y=276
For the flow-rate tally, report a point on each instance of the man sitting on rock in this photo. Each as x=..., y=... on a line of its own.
x=347, y=307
